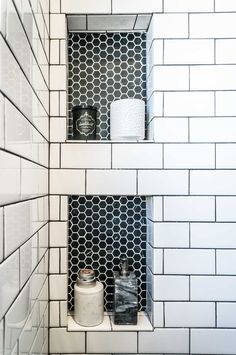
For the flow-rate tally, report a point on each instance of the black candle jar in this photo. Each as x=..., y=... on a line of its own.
x=84, y=122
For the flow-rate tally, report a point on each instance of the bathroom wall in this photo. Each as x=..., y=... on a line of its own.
x=187, y=168
x=24, y=134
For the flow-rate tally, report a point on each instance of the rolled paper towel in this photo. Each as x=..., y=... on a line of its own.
x=127, y=119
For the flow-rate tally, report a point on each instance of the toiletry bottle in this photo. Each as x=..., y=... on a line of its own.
x=89, y=300
x=125, y=295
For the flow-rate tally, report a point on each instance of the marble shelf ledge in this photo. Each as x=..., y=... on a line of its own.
x=108, y=141
x=107, y=325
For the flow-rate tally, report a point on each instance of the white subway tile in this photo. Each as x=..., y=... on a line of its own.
x=189, y=51
x=58, y=287
x=34, y=180
x=169, y=26
x=18, y=232
x=54, y=51
x=189, y=156
x=160, y=182
x=9, y=178
x=225, y=51
x=136, y=156
x=213, y=77
x=64, y=208
x=226, y=315
x=169, y=77
x=213, y=235
x=1, y=336
x=54, y=155
x=17, y=40
x=155, y=260
x=9, y=281
x=154, y=208
x=170, y=288
x=54, y=313
x=170, y=129
x=213, y=288
x=57, y=26
x=16, y=318
x=226, y=209
x=3, y=16
x=86, y=7
x=114, y=182
x=155, y=55
x=66, y=181
x=226, y=156
x=158, y=314
x=119, y=342
x=213, y=341
x=164, y=340
x=54, y=208
x=28, y=259
x=63, y=52
x=38, y=341
x=63, y=103
x=57, y=129
x=30, y=329
x=58, y=234
x=54, y=261
x=63, y=260
x=219, y=129
x=58, y=77
x=221, y=182
x=63, y=314
x=189, y=208
x=1, y=234
x=54, y=103
x=188, y=104
x=43, y=241
x=190, y=314
x=189, y=261
x=124, y=7
x=212, y=25
x=155, y=104
x=2, y=139
x=225, y=103
x=170, y=235
x=62, y=341
x=226, y=262
x=225, y=5
x=188, y=6
x=86, y=156
x=55, y=6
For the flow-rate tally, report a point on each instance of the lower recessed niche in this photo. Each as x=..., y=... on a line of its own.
x=101, y=228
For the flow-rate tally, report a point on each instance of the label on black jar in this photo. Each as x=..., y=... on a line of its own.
x=85, y=124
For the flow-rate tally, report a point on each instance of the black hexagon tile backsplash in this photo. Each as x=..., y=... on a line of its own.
x=101, y=229
x=104, y=67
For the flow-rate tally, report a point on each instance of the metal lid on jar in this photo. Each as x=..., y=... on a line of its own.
x=86, y=277
x=83, y=106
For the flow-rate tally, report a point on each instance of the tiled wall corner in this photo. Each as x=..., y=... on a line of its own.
x=24, y=215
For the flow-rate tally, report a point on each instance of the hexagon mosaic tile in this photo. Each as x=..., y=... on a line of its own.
x=101, y=229
x=104, y=67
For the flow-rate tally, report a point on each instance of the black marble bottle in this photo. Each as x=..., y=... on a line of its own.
x=125, y=295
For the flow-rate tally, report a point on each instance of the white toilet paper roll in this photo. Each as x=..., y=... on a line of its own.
x=127, y=119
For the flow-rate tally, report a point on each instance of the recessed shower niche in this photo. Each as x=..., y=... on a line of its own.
x=101, y=229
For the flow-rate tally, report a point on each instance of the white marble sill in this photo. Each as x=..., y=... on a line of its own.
x=107, y=325
x=108, y=141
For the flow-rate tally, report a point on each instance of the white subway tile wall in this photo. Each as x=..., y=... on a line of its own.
x=187, y=170
x=24, y=133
